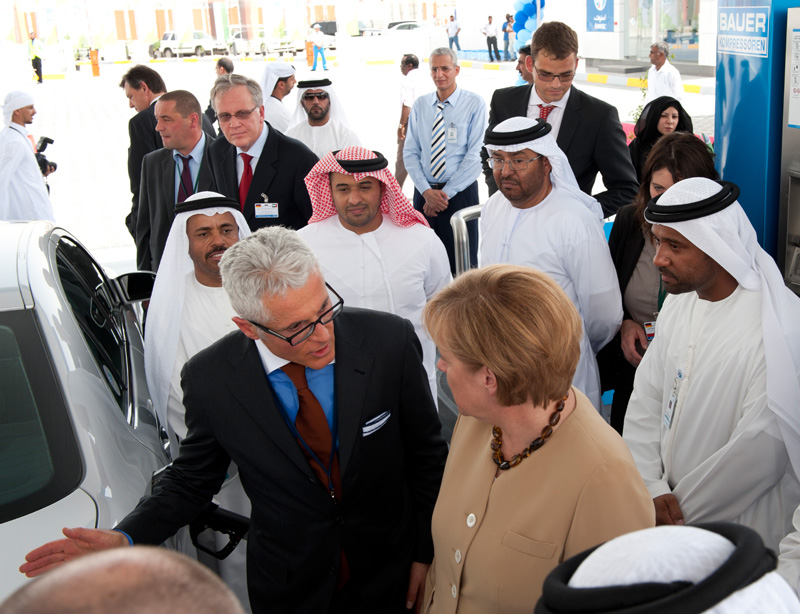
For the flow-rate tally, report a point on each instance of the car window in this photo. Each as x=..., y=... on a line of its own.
x=87, y=291
x=38, y=452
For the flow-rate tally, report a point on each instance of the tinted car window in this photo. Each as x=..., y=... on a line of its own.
x=87, y=290
x=38, y=452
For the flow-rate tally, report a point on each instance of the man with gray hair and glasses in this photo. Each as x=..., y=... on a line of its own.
x=341, y=461
x=255, y=164
x=663, y=79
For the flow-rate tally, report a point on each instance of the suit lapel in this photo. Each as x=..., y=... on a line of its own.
x=521, y=105
x=265, y=169
x=205, y=180
x=570, y=120
x=352, y=373
x=168, y=182
x=248, y=385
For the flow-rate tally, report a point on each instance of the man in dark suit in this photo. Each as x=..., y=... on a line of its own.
x=255, y=164
x=587, y=129
x=170, y=175
x=343, y=531
x=142, y=86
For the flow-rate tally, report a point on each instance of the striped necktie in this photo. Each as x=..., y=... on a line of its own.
x=438, y=156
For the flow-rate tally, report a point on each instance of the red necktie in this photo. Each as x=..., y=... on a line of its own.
x=247, y=178
x=312, y=427
x=186, y=189
x=545, y=110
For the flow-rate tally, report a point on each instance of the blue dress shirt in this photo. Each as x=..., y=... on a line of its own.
x=466, y=113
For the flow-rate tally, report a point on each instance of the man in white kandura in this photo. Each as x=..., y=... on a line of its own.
x=276, y=82
x=713, y=421
x=319, y=121
x=189, y=310
x=378, y=251
x=540, y=218
x=23, y=194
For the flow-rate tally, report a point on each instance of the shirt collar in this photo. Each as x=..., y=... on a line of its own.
x=561, y=104
x=197, y=152
x=452, y=100
x=257, y=147
x=270, y=362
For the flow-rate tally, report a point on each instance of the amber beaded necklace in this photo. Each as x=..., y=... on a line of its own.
x=547, y=432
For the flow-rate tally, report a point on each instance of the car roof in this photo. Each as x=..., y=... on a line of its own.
x=15, y=239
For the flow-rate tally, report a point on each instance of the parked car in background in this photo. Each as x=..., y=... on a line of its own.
x=402, y=26
x=257, y=43
x=193, y=42
x=79, y=439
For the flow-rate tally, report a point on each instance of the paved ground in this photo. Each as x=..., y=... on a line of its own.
x=87, y=117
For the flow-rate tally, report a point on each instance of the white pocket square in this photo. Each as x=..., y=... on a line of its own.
x=373, y=424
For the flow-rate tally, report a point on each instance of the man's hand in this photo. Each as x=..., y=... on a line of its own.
x=50, y=169
x=401, y=132
x=79, y=542
x=416, y=586
x=435, y=201
x=630, y=333
x=667, y=510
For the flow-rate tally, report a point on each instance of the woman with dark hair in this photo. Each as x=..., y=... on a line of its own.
x=660, y=117
x=676, y=156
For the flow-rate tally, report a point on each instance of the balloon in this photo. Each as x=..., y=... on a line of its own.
x=529, y=9
x=518, y=5
x=518, y=25
x=524, y=36
x=530, y=24
x=521, y=42
x=520, y=18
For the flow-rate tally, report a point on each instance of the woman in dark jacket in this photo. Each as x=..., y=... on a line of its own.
x=676, y=156
x=660, y=117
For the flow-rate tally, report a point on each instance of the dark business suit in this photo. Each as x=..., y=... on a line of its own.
x=157, y=204
x=591, y=136
x=280, y=173
x=144, y=139
x=390, y=478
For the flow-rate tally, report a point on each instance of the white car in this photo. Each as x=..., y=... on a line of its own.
x=193, y=42
x=79, y=440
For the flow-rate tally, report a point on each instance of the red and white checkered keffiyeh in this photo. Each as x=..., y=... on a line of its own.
x=394, y=203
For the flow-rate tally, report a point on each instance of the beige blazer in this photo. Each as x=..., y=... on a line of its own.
x=495, y=540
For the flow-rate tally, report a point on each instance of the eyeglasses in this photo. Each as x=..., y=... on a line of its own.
x=547, y=77
x=308, y=330
x=318, y=96
x=224, y=118
x=517, y=164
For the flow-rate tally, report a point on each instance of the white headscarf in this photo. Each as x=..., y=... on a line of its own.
x=163, y=324
x=14, y=100
x=561, y=174
x=336, y=110
x=729, y=238
x=272, y=72
x=681, y=554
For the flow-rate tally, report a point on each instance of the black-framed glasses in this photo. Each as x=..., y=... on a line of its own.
x=224, y=118
x=317, y=95
x=517, y=164
x=305, y=332
x=547, y=77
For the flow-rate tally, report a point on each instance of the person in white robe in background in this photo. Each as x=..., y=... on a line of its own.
x=189, y=310
x=319, y=120
x=373, y=247
x=540, y=218
x=713, y=421
x=23, y=193
x=277, y=81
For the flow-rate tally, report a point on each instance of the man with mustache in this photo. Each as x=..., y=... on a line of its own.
x=373, y=246
x=712, y=421
x=319, y=120
x=540, y=218
x=189, y=310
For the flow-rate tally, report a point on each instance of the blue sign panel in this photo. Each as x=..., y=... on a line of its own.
x=743, y=30
x=599, y=15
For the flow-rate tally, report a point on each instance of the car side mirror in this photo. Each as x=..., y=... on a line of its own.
x=135, y=287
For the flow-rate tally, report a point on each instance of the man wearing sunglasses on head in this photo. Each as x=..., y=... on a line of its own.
x=254, y=163
x=587, y=129
x=319, y=120
x=341, y=459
